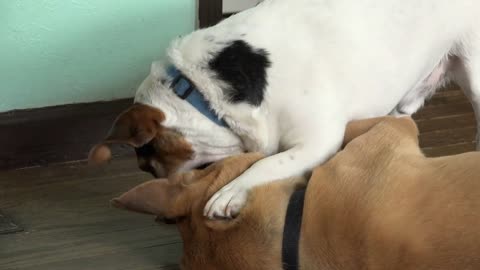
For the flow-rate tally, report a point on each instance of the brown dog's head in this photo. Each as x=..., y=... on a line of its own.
x=181, y=194
x=214, y=244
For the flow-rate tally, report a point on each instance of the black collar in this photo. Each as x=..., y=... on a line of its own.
x=291, y=230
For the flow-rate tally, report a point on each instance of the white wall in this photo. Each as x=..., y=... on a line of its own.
x=230, y=6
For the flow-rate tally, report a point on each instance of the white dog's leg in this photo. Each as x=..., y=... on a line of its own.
x=228, y=201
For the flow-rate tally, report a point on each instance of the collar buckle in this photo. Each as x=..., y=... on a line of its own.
x=186, y=90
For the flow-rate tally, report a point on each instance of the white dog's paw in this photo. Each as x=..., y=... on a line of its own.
x=227, y=202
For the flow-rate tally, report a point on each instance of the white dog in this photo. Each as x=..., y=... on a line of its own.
x=286, y=76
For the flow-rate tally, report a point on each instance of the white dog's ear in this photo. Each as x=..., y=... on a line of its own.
x=135, y=127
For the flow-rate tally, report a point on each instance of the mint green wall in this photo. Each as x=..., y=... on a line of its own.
x=68, y=51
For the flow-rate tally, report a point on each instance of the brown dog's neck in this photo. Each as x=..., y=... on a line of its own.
x=333, y=224
x=255, y=233
x=344, y=225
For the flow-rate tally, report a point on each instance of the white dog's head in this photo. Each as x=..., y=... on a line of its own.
x=168, y=133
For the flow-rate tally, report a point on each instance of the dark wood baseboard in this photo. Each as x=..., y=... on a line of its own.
x=57, y=134
x=210, y=12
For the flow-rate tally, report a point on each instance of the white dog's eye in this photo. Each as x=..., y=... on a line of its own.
x=204, y=166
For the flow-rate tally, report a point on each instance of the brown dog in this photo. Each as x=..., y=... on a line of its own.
x=378, y=204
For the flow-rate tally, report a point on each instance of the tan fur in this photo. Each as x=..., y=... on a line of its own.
x=378, y=204
x=141, y=125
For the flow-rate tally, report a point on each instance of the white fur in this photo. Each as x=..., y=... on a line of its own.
x=332, y=61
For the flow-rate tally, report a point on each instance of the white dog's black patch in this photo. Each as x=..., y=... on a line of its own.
x=244, y=69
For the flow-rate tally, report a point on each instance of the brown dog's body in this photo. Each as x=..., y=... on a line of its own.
x=378, y=204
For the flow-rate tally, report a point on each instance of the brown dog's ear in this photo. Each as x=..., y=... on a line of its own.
x=404, y=126
x=397, y=125
x=136, y=126
x=176, y=196
x=157, y=197
x=359, y=127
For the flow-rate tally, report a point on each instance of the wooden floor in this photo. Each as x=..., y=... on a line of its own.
x=68, y=223
x=447, y=124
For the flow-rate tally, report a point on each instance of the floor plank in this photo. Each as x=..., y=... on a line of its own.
x=69, y=224
x=447, y=124
x=445, y=150
x=7, y=226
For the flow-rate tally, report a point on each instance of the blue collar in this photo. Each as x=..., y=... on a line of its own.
x=187, y=91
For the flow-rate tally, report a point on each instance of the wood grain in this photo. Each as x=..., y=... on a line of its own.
x=69, y=224
x=7, y=225
x=447, y=124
